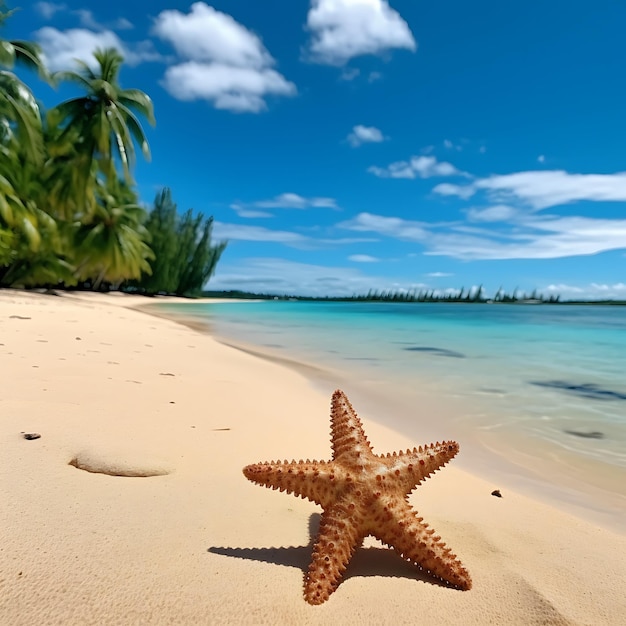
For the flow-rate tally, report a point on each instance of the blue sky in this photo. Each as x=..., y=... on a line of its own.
x=343, y=145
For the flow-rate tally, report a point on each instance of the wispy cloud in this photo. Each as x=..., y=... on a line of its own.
x=282, y=201
x=88, y=20
x=596, y=291
x=496, y=213
x=222, y=61
x=275, y=275
x=364, y=134
x=48, y=10
x=295, y=201
x=245, y=232
x=542, y=189
x=416, y=167
x=363, y=258
x=395, y=227
x=344, y=29
x=527, y=237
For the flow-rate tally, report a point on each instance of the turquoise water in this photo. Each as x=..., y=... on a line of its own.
x=549, y=379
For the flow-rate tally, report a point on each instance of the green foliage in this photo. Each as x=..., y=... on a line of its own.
x=185, y=257
x=67, y=215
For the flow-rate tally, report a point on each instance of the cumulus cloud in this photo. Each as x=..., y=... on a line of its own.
x=344, y=29
x=416, y=167
x=62, y=48
x=221, y=61
x=364, y=134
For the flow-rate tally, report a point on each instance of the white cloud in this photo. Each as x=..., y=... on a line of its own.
x=295, y=201
x=596, y=291
x=282, y=201
x=87, y=20
x=449, y=145
x=225, y=63
x=344, y=29
x=541, y=158
x=349, y=73
x=274, y=275
x=417, y=167
x=363, y=258
x=62, y=48
x=529, y=238
x=497, y=213
x=242, y=211
x=548, y=238
x=438, y=274
x=540, y=189
x=390, y=226
x=237, y=89
x=48, y=10
x=374, y=76
x=244, y=232
x=364, y=134
x=448, y=189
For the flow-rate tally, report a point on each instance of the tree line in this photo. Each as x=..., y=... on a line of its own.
x=70, y=216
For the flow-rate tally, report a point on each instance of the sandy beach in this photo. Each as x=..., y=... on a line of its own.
x=131, y=506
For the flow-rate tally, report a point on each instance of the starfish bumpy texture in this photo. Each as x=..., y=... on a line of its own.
x=363, y=494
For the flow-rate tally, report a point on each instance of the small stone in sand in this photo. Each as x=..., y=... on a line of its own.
x=30, y=436
x=496, y=493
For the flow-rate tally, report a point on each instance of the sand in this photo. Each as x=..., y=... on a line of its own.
x=131, y=507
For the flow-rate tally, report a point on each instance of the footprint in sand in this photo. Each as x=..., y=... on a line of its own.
x=129, y=464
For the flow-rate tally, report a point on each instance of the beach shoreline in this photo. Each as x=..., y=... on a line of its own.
x=120, y=393
x=592, y=491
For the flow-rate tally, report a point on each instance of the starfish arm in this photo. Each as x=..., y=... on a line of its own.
x=348, y=438
x=410, y=468
x=340, y=534
x=308, y=479
x=414, y=541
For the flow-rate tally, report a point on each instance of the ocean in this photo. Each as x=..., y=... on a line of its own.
x=535, y=394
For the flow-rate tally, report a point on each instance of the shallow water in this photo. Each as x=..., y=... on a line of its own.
x=537, y=384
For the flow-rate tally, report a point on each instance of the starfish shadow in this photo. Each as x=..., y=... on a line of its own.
x=370, y=561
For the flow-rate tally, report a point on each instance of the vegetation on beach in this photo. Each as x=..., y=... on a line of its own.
x=475, y=295
x=185, y=258
x=69, y=212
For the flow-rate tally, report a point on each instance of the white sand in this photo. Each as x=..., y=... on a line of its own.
x=113, y=390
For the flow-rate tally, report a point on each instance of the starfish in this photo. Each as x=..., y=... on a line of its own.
x=363, y=494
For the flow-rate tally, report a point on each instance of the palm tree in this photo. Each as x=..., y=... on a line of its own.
x=19, y=112
x=111, y=246
x=23, y=225
x=104, y=121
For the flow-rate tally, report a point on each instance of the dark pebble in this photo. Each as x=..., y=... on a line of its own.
x=30, y=436
x=496, y=493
